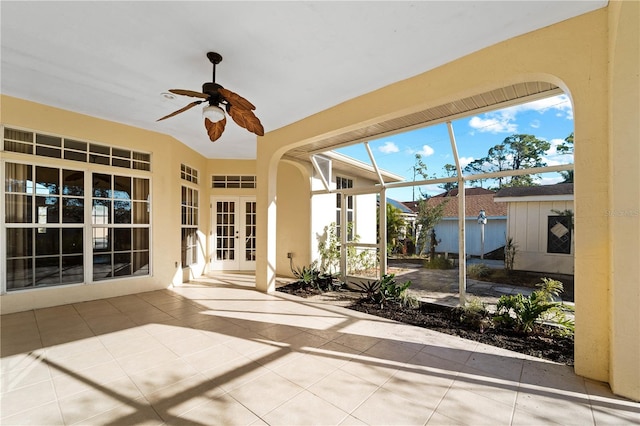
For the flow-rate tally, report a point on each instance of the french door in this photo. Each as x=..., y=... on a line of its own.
x=233, y=239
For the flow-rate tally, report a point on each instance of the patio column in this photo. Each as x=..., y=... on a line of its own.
x=266, y=215
x=462, y=253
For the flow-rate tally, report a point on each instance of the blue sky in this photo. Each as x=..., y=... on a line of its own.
x=549, y=119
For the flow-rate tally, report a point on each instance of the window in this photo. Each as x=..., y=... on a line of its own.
x=43, y=145
x=343, y=183
x=189, y=226
x=46, y=230
x=189, y=174
x=223, y=181
x=120, y=226
x=44, y=211
x=559, y=234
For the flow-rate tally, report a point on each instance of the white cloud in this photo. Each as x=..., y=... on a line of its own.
x=389, y=148
x=494, y=123
x=465, y=160
x=553, y=158
x=426, y=151
x=535, y=124
x=503, y=121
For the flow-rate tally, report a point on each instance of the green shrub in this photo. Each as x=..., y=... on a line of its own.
x=475, y=314
x=438, y=263
x=387, y=290
x=312, y=276
x=478, y=271
x=526, y=314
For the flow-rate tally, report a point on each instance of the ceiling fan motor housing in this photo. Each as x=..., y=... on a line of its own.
x=211, y=89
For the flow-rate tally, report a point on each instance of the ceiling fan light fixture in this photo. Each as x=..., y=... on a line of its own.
x=213, y=113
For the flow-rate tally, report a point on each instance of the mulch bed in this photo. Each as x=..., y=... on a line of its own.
x=445, y=319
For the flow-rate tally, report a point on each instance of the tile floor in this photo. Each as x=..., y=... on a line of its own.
x=216, y=352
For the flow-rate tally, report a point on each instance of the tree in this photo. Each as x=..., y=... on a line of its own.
x=428, y=217
x=516, y=152
x=449, y=171
x=395, y=225
x=566, y=148
x=420, y=168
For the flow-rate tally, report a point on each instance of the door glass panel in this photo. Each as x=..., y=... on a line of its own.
x=225, y=238
x=250, y=232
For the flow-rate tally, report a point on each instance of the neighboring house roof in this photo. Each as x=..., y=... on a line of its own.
x=467, y=192
x=476, y=199
x=559, y=191
x=531, y=191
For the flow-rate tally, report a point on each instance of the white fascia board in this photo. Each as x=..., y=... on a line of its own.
x=349, y=161
x=534, y=198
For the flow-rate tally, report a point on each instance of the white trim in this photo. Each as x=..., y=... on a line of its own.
x=533, y=198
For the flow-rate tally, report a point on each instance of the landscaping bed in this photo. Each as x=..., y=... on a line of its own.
x=542, y=344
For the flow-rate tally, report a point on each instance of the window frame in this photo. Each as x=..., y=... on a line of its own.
x=84, y=225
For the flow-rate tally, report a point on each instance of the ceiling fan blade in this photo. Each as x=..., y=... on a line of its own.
x=215, y=129
x=191, y=105
x=247, y=119
x=189, y=93
x=235, y=99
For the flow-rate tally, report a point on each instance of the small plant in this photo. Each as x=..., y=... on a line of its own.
x=525, y=314
x=478, y=271
x=475, y=314
x=510, y=251
x=438, y=263
x=312, y=276
x=387, y=290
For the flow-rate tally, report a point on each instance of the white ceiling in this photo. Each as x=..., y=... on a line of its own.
x=291, y=59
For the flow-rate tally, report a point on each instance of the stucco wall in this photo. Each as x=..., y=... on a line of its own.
x=594, y=59
x=167, y=154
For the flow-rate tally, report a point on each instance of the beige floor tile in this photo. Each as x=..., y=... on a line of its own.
x=279, y=333
x=343, y=390
x=235, y=373
x=356, y=341
x=139, y=362
x=371, y=369
x=420, y=385
x=224, y=409
x=47, y=414
x=213, y=357
x=140, y=344
x=491, y=365
x=172, y=401
x=305, y=409
x=549, y=404
x=26, y=398
x=474, y=409
x=163, y=375
x=99, y=399
x=438, y=419
x=60, y=364
x=33, y=372
x=83, y=380
x=135, y=413
x=375, y=410
x=234, y=354
x=305, y=370
x=352, y=421
x=265, y=393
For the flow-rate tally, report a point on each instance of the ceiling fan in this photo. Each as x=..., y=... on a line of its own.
x=240, y=109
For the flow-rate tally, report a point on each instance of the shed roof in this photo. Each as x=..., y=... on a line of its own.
x=534, y=191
